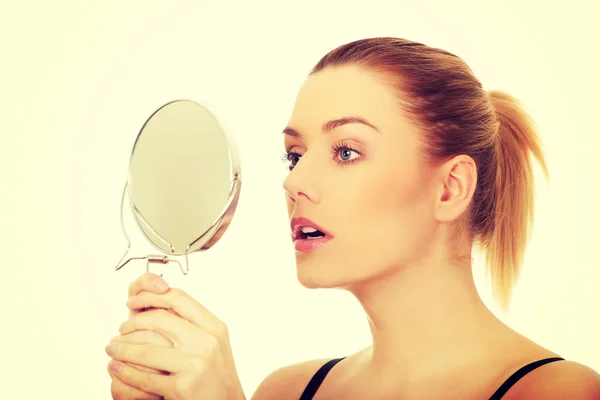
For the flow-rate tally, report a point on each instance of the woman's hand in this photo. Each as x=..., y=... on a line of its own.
x=200, y=364
x=120, y=390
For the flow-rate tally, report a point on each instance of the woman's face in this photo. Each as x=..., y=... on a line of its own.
x=364, y=185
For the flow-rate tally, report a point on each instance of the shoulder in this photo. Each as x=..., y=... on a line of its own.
x=560, y=380
x=288, y=382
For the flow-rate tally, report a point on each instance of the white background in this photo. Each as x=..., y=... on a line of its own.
x=78, y=80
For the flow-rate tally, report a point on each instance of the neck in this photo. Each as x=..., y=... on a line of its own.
x=426, y=319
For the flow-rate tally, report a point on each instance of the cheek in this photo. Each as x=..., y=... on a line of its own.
x=393, y=194
x=395, y=210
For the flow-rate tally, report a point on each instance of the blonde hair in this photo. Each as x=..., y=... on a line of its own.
x=514, y=208
x=457, y=116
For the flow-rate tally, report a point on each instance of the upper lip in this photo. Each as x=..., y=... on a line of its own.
x=298, y=223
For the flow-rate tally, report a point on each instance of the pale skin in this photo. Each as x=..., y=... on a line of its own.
x=396, y=240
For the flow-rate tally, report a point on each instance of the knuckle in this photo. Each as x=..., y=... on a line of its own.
x=212, y=345
x=148, y=337
x=143, y=352
x=135, y=337
x=219, y=330
x=222, y=329
x=130, y=353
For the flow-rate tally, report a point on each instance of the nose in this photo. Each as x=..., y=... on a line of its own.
x=301, y=184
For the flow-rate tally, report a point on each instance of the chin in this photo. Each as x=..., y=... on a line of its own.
x=313, y=274
x=308, y=279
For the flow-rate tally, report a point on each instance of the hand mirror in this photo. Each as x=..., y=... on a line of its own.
x=184, y=182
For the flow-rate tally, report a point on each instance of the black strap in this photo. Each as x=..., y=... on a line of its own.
x=519, y=374
x=318, y=378
x=320, y=375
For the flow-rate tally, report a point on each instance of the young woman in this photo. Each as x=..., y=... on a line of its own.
x=400, y=163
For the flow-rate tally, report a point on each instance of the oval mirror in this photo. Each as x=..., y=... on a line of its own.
x=184, y=182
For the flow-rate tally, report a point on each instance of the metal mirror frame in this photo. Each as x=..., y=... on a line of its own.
x=217, y=228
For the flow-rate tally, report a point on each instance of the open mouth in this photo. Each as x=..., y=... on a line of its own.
x=305, y=229
x=309, y=233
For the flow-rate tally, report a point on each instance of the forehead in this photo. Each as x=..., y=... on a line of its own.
x=337, y=92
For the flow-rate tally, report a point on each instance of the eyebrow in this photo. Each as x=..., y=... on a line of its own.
x=333, y=124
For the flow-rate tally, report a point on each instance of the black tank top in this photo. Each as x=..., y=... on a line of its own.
x=319, y=376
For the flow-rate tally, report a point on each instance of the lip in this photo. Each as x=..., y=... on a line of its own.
x=307, y=245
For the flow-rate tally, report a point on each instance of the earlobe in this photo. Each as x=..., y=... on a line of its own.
x=458, y=181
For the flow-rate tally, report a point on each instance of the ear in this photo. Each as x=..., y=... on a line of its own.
x=457, y=182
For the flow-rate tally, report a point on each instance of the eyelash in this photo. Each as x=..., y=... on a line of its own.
x=335, y=149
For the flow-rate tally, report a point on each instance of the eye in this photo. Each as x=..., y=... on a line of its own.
x=291, y=158
x=346, y=153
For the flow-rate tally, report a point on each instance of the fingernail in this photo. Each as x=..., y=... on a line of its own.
x=115, y=366
x=161, y=285
x=111, y=349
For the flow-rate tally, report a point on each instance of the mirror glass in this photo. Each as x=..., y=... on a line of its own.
x=184, y=179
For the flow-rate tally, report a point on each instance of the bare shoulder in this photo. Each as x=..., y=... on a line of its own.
x=561, y=380
x=288, y=382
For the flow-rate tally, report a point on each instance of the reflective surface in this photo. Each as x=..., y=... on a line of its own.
x=184, y=179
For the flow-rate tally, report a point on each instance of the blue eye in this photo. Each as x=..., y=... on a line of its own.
x=343, y=155
x=346, y=154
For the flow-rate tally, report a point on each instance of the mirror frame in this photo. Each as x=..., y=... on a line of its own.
x=217, y=228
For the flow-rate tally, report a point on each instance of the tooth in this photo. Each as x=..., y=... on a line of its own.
x=308, y=229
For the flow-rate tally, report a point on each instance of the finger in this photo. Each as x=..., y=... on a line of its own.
x=121, y=391
x=149, y=282
x=146, y=369
x=169, y=325
x=147, y=355
x=144, y=337
x=142, y=381
x=183, y=305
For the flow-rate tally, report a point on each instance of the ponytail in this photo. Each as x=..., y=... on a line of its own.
x=516, y=140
